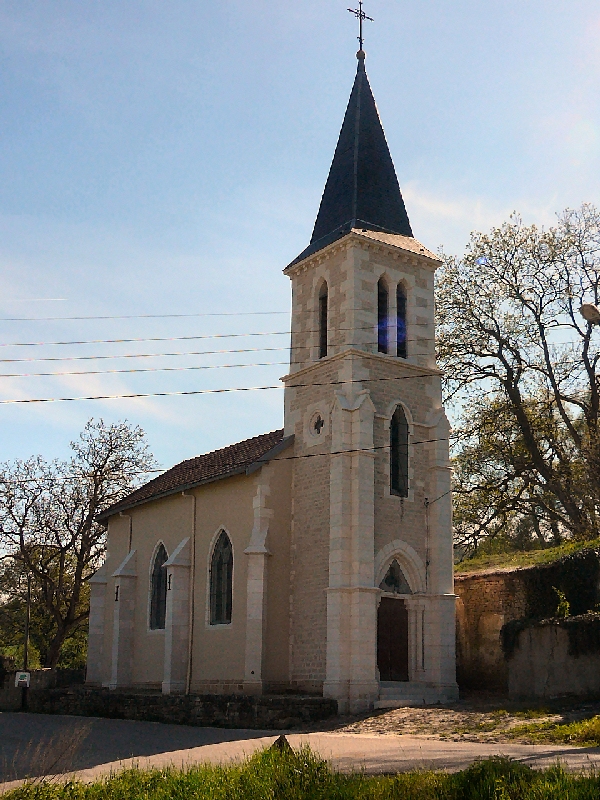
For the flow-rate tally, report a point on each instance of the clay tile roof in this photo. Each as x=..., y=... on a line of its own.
x=232, y=460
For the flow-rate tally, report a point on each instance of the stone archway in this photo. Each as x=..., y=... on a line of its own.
x=392, y=639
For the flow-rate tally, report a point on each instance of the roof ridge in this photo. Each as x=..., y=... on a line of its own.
x=228, y=446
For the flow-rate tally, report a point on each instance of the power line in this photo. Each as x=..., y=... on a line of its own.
x=165, y=316
x=143, y=355
x=224, y=351
x=149, y=355
x=146, y=316
x=204, y=391
x=148, y=369
x=147, y=339
x=205, y=336
x=275, y=458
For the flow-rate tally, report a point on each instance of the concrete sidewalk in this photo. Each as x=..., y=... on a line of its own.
x=33, y=745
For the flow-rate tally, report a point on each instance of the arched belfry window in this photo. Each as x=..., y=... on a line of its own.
x=395, y=580
x=382, y=316
x=399, y=453
x=323, y=320
x=221, y=581
x=400, y=322
x=158, y=590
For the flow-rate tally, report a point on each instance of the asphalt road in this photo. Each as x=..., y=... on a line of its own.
x=33, y=745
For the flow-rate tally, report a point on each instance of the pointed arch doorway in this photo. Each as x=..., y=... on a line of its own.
x=392, y=627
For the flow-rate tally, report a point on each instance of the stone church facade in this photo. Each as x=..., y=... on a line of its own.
x=316, y=559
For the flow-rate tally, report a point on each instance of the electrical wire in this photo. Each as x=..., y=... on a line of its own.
x=147, y=339
x=173, y=355
x=205, y=391
x=165, y=316
x=147, y=369
x=146, y=316
x=193, y=338
x=78, y=478
x=143, y=355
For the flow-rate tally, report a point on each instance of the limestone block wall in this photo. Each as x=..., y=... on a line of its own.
x=309, y=554
x=342, y=505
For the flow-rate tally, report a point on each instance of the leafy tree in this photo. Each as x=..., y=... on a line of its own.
x=49, y=530
x=521, y=367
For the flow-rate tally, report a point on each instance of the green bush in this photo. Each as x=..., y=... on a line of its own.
x=275, y=775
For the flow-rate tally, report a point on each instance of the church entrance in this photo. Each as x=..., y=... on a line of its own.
x=392, y=640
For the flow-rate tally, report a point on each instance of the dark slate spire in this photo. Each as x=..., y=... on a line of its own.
x=362, y=189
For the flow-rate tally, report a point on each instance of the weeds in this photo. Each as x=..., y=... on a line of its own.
x=287, y=775
x=584, y=732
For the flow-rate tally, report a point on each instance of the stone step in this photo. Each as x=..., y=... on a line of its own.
x=394, y=694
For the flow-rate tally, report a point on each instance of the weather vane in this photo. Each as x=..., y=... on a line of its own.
x=360, y=15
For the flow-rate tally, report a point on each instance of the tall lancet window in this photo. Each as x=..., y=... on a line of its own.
x=221, y=581
x=158, y=590
x=399, y=453
x=382, y=316
x=400, y=323
x=323, y=313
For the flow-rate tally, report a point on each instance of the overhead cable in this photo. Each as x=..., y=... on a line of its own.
x=134, y=369
x=275, y=458
x=204, y=391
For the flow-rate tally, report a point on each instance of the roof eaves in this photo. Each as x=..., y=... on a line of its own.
x=248, y=470
x=168, y=492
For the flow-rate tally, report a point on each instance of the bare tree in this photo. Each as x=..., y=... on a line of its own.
x=521, y=367
x=48, y=525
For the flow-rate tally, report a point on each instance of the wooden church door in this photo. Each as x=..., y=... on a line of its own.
x=392, y=640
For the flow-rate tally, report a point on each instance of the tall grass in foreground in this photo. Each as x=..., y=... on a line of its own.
x=275, y=775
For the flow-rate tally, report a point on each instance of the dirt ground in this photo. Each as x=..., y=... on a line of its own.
x=477, y=717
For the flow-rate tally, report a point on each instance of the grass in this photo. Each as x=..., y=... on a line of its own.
x=281, y=775
x=585, y=732
x=525, y=558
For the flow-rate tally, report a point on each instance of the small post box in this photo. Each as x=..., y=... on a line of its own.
x=22, y=680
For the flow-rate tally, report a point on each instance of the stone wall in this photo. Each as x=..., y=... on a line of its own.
x=486, y=601
x=41, y=679
x=225, y=711
x=556, y=657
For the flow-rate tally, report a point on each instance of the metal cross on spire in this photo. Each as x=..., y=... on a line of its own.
x=361, y=16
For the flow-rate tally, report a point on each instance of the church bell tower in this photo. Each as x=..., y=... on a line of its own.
x=372, y=599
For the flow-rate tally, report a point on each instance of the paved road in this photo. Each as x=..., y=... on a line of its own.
x=34, y=744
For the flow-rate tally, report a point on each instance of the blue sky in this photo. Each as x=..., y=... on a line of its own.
x=168, y=158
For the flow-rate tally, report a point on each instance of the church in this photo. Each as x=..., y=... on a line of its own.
x=316, y=559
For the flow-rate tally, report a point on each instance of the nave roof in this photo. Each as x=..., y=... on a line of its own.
x=242, y=457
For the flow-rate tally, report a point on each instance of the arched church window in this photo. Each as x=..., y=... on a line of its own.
x=221, y=581
x=158, y=590
x=400, y=322
x=399, y=453
x=323, y=312
x=395, y=580
x=382, y=316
